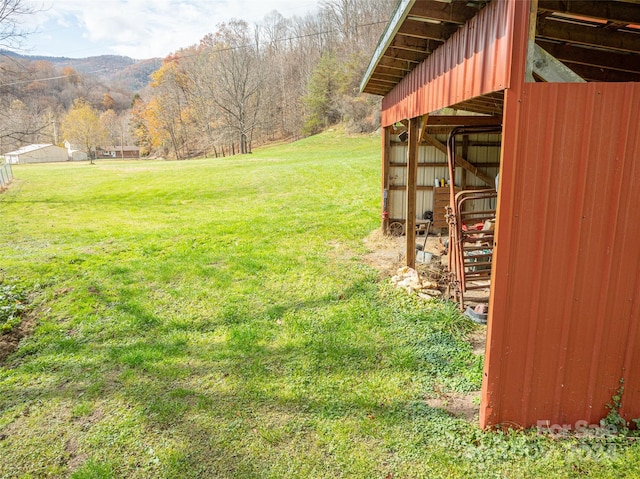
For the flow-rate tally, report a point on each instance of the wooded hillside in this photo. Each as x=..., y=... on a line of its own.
x=241, y=86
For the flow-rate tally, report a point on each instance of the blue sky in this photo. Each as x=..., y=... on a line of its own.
x=139, y=28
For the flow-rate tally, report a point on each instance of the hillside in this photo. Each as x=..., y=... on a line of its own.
x=117, y=70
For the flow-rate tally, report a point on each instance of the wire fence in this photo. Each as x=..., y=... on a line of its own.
x=6, y=175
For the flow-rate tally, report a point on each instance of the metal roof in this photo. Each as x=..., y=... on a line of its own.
x=28, y=149
x=415, y=30
x=598, y=40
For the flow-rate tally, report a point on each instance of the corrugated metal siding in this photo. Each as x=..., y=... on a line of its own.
x=473, y=62
x=565, y=306
x=427, y=174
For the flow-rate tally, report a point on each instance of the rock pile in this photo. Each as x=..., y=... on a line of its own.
x=409, y=280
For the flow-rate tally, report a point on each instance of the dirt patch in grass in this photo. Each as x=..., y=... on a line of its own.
x=9, y=341
x=387, y=255
x=76, y=458
x=461, y=405
x=385, y=252
x=478, y=340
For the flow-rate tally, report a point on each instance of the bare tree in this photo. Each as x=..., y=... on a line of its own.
x=17, y=120
x=238, y=83
x=11, y=13
x=272, y=81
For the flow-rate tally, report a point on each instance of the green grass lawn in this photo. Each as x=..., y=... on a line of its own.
x=214, y=319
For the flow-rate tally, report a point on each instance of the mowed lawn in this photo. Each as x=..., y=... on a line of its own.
x=215, y=319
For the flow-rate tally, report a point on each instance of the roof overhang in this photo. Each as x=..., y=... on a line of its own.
x=598, y=40
x=415, y=30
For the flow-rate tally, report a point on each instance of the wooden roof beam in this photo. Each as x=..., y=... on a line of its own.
x=595, y=73
x=616, y=11
x=377, y=89
x=485, y=108
x=454, y=12
x=381, y=85
x=371, y=91
x=382, y=81
x=412, y=56
x=588, y=56
x=400, y=65
x=463, y=120
x=550, y=69
x=430, y=31
x=414, y=44
x=387, y=76
x=460, y=161
x=586, y=35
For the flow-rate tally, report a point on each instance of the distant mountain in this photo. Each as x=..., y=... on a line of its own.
x=114, y=69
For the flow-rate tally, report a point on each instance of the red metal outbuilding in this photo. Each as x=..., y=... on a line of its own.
x=564, y=311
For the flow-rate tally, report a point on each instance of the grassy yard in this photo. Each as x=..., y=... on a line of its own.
x=214, y=319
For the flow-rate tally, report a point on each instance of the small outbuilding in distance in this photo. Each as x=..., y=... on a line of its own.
x=544, y=94
x=38, y=153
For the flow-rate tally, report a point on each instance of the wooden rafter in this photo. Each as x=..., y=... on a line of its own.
x=583, y=34
x=460, y=120
x=430, y=31
x=460, y=161
x=588, y=56
x=404, y=55
x=549, y=68
x=490, y=104
x=421, y=45
x=620, y=12
x=455, y=12
x=595, y=73
x=396, y=64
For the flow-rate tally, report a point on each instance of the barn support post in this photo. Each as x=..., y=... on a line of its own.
x=412, y=182
x=386, y=158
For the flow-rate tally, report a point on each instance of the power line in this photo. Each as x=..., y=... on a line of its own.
x=288, y=39
x=59, y=77
x=239, y=47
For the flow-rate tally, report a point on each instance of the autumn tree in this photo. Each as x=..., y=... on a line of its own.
x=200, y=92
x=138, y=126
x=167, y=114
x=71, y=75
x=107, y=102
x=81, y=126
x=276, y=80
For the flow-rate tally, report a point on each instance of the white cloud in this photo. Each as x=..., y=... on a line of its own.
x=144, y=28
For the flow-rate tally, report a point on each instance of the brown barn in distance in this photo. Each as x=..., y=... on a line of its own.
x=118, y=152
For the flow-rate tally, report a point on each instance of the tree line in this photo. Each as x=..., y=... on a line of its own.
x=242, y=85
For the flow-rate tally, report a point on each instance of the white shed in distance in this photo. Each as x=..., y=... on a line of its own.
x=41, y=153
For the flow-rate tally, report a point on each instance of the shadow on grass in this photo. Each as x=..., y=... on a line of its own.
x=255, y=385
